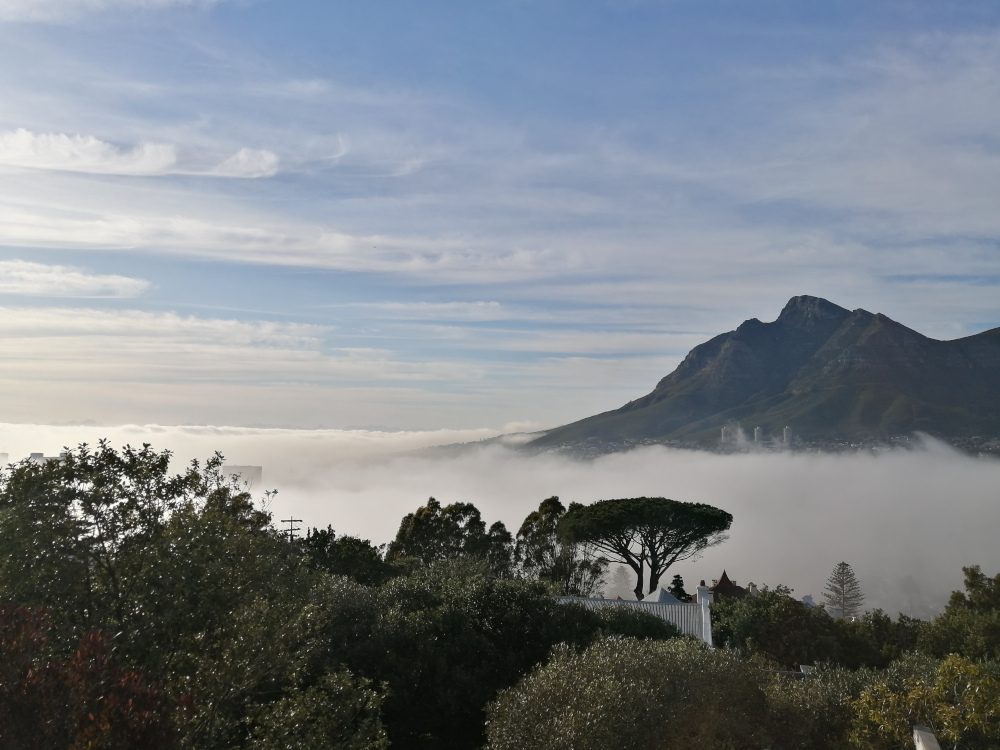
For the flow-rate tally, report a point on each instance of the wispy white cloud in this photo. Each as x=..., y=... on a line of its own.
x=57, y=321
x=248, y=163
x=63, y=344
x=900, y=146
x=83, y=153
x=73, y=363
x=848, y=175
x=458, y=311
x=271, y=243
x=88, y=154
x=61, y=10
x=37, y=279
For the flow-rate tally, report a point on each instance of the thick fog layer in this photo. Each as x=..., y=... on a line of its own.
x=907, y=521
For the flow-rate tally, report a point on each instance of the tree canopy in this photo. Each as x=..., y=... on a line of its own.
x=641, y=532
x=434, y=533
x=970, y=625
x=573, y=569
x=345, y=555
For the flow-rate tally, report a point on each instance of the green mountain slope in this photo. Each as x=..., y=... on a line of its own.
x=826, y=372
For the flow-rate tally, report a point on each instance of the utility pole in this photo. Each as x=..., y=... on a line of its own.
x=292, y=528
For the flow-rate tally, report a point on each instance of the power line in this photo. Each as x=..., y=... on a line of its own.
x=292, y=528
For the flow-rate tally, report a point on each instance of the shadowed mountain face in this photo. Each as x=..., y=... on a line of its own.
x=824, y=371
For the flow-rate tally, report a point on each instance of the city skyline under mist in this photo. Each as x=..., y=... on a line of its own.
x=501, y=215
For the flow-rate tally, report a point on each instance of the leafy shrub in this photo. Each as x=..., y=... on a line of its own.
x=958, y=699
x=629, y=694
x=812, y=713
x=787, y=632
x=339, y=711
x=773, y=624
x=617, y=620
x=345, y=556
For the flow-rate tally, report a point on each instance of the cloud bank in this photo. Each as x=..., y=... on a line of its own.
x=907, y=521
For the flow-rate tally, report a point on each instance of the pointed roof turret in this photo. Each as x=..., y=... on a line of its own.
x=724, y=588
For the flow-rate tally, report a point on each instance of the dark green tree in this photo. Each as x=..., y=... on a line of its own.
x=642, y=532
x=345, y=556
x=443, y=641
x=843, y=591
x=774, y=624
x=677, y=589
x=970, y=624
x=781, y=628
x=186, y=575
x=84, y=535
x=434, y=533
x=573, y=569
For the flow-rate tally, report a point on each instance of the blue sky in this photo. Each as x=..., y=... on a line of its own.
x=491, y=214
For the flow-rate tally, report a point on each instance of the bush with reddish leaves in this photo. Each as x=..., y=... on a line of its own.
x=84, y=703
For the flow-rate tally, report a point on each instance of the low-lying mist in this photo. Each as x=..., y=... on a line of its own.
x=906, y=520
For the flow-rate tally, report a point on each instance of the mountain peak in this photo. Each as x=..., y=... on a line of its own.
x=805, y=309
x=823, y=371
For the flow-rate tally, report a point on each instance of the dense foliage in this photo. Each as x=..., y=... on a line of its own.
x=540, y=553
x=81, y=702
x=433, y=533
x=970, y=625
x=788, y=633
x=174, y=601
x=622, y=694
x=140, y=608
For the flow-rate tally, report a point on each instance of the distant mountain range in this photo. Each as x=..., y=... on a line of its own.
x=823, y=371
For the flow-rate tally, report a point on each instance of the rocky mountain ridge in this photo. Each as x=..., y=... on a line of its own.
x=825, y=372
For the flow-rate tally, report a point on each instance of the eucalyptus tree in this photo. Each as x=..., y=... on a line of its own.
x=540, y=554
x=434, y=533
x=646, y=532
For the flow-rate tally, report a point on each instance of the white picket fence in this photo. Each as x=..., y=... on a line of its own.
x=689, y=618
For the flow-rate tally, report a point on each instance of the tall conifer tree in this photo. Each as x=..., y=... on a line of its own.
x=843, y=591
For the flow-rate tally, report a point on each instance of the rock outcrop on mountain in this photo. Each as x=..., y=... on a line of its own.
x=823, y=371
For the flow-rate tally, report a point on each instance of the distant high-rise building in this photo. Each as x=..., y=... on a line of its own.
x=4, y=457
x=40, y=458
x=758, y=434
x=788, y=436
